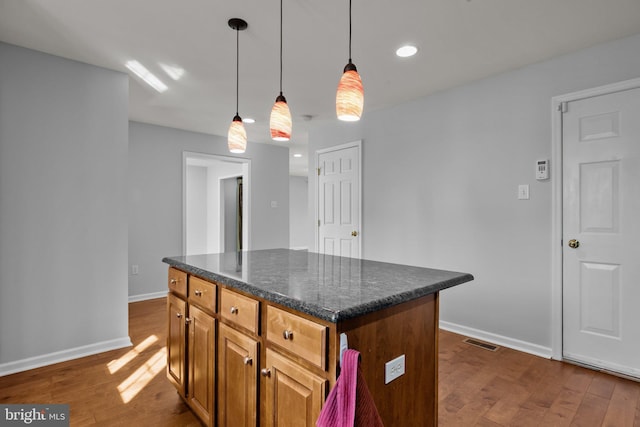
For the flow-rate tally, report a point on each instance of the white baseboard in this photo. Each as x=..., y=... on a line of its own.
x=144, y=297
x=63, y=356
x=527, y=347
x=300, y=248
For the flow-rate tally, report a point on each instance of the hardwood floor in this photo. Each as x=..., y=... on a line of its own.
x=477, y=387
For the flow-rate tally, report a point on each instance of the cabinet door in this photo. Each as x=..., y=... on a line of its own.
x=294, y=395
x=201, y=364
x=176, y=342
x=237, y=378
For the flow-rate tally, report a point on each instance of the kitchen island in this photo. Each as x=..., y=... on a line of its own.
x=254, y=337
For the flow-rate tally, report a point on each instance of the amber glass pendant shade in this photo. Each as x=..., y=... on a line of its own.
x=350, y=96
x=237, y=137
x=280, y=120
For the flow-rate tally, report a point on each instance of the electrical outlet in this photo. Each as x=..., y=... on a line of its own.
x=393, y=369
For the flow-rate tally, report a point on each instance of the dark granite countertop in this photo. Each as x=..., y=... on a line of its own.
x=328, y=287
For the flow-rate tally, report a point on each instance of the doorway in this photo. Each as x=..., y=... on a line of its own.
x=338, y=200
x=596, y=206
x=213, y=222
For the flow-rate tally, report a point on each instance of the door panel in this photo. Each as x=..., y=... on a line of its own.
x=176, y=342
x=601, y=207
x=294, y=395
x=201, y=363
x=237, y=379
x=339, y=202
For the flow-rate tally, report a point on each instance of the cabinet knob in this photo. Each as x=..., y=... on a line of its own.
x=178, y=315
x=174, y=281
x=287, y=335
x=234, y=310
x=265, y=372
x=187, y=320
x=198, y=292
x=248, y=360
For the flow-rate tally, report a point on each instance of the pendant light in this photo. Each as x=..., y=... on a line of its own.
x=237, y=138
x=280, y=120
x=350, y=96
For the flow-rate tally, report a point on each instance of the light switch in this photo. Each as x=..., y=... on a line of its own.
x=523, y=192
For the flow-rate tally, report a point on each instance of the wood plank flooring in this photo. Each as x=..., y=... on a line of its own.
x=477, y=387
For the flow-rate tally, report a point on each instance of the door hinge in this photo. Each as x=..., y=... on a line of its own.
x=563, y=107
x=318, y=223
x=318, y=171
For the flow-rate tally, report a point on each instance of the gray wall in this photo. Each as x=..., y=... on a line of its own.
x=299, y=213
x=63, y=214
x=155, y=198
x=440, y=178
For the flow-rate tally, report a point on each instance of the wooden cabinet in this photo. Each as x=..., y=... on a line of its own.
x=176, y=342
x=201, y=364
x=191, y=339
x=238, y=362
x=241, y=360
x=294, y=395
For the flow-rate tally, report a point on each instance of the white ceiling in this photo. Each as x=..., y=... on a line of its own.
x=459, y=41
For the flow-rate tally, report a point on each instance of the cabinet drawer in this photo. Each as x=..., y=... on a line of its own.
x=238, y=309
x=202, y=293
x=178, y=282
x=300, y=336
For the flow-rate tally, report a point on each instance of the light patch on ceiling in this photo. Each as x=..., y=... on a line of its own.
x=149, y=78
x=173, y=71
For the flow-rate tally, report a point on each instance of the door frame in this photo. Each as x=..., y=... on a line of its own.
x=557, y=105
x=246, y=220
x=316, y=198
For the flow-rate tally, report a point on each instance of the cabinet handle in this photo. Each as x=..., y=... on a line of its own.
x=174, y=281
x=265, y=372
x=178, y=315
x=248, y=361
x=198, y=292
x=287, y=335
x=234, y=310
x=187, y=320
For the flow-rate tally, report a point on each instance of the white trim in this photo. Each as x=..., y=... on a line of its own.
x=605, y=366
x=556, y=200
x=145, y=297
x=246, y=188
x=358, y=144
x=63, y=356
x=300, y=248
x=524, y=346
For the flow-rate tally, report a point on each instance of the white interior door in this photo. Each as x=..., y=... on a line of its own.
x=339, y=231
x=601, y=224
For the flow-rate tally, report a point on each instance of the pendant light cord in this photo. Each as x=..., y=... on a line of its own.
x=349, y=31
x=280, y=47
x=237, y=67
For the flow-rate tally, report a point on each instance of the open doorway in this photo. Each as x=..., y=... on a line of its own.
x=215, y=203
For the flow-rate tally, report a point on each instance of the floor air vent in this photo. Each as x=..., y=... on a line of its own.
x=481, y=344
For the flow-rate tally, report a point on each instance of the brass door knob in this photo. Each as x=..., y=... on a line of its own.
x=573, y=243
x=354, y=233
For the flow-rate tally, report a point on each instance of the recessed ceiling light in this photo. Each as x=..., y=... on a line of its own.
x=298, y=155
x=248, y=120
x=146, y=75
x=406, y=51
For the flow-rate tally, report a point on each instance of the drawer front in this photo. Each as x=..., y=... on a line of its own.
x=240, y=310
x=300, y=336
x=178, y=282
x=202, y=293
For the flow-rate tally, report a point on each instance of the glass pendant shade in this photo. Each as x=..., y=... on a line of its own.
x=280, y=121
x=237, y=137
x=350, y=96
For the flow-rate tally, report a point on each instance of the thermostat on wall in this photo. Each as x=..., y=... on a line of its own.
x=542, y=169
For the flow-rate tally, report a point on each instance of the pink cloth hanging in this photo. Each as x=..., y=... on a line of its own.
x=350, y=403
